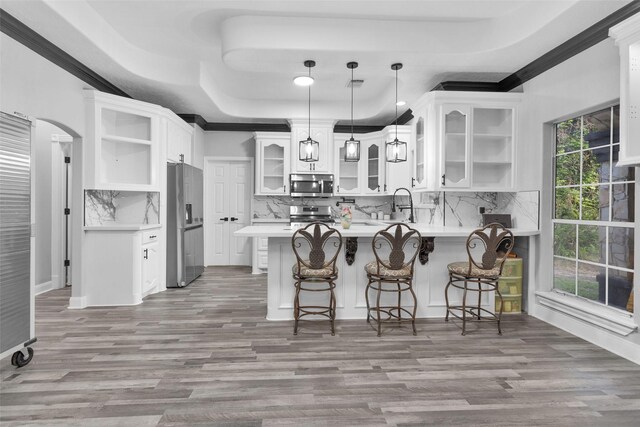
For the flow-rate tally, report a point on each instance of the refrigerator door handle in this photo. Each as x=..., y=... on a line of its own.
x=189, y=218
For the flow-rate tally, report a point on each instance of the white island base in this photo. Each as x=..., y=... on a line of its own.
x=430, y=279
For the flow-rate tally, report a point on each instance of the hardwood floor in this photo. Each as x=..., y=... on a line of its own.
x=205, y=355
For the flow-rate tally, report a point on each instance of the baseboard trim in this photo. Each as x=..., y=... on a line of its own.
x=76, y=303
x=607, y=340
x=41, y=288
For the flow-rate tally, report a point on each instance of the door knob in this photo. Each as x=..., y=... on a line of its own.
x=226, y=218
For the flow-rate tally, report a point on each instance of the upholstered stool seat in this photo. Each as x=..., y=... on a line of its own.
x=462, y=269
x=303, y=270
x=375, y=269
x=395, y=248
x=316, y=248
x=479, y=274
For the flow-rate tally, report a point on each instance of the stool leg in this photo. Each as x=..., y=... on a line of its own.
x=479, y=299
x=332, y=308
x=446, y=298
x=399, y=302
x=366, y=295
x=296, y=308
x=500, y=312
x=415, y=307
x=378, y=307
x=464, y=308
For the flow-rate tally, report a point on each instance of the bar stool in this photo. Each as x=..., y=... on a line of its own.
x=316, y=248
x=395, y=249
x=480, y=274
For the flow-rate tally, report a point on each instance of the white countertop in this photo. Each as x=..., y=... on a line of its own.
x=122, y=227
x=369, y=229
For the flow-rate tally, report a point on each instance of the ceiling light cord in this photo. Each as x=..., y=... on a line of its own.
x=352, y=103
x=396, y=103
x=309, y=130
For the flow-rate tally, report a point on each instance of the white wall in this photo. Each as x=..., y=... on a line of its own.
x=41, y=149
x=583, y=83
x=33, y=86
x=229, y=144
x=198, y=147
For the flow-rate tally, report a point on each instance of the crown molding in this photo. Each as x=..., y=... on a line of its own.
x=18, y=31
x=357, y=128
x=593, y=35
x=598, y=32
x=455, y=85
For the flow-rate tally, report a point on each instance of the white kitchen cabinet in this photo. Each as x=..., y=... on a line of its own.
x=465, y=141
x=123, y=146
x=397, y=175
x=365, y=177
x=321, y=131
x=372, y=157
x=347, y=175
x=272, y=163
x=179, y=135
x=419, y=165
x=150, y=261
x=124, y=266
x=627, y=36
x=454, y=145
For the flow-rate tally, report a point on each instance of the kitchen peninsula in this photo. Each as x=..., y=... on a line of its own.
x=441, y=245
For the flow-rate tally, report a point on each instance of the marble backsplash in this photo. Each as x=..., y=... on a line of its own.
x=108, y=207
x=461, y=209
x=439, y=208
x=277, y=207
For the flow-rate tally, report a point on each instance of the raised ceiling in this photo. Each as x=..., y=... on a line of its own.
x=235, y=60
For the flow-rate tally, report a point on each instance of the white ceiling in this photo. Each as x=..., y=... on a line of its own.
x=235, y=60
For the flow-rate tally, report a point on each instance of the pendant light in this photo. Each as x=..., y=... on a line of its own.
x=352, y=146
x=396, y=151
x=309, y=149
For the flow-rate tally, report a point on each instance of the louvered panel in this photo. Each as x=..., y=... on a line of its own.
x=15, y=235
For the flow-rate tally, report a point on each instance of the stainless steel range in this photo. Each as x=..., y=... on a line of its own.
x=300, y=216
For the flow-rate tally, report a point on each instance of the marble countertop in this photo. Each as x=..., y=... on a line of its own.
x=122, y=227
x=368, y=229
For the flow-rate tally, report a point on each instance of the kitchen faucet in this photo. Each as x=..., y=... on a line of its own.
x=402, y=207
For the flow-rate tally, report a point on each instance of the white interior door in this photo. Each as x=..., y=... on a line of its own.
x=239, y=212
x=228, y=208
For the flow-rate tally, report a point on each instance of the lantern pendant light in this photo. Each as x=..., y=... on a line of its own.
x=309, y=149
x=352, y=146
x=396, y=151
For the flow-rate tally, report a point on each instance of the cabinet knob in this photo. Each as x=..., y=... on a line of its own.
x=226, y=218
x=413, y=182
x=285, y=189
x=233, y=218
x=146, y=254
x=378, y=188
x=442, y=179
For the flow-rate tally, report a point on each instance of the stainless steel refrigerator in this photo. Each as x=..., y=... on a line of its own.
x=185, y=234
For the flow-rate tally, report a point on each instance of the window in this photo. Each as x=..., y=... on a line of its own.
x=593, y=225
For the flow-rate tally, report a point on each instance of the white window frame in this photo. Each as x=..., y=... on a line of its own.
x=594, y=312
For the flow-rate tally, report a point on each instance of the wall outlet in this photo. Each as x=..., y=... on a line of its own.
x=481, y=210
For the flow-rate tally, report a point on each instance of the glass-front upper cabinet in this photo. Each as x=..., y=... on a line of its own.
x=374, y=165
x=348, y=173
x=420, y=177
x=124, y=152
x=272, y=162
x=455, y=146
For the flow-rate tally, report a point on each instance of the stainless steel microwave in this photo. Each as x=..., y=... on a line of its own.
x=311, y=185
